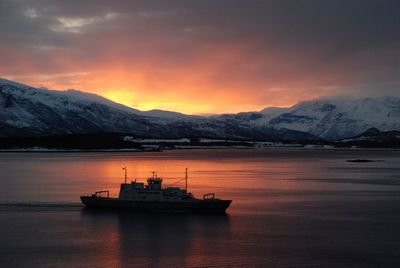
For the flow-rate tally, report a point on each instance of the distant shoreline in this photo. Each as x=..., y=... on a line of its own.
x=193, y=148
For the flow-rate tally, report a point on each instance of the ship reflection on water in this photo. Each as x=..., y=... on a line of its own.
x=149, y=239
x=291, y=208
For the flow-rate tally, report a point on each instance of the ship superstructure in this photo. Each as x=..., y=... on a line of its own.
x=152, y=191
x=153, y=197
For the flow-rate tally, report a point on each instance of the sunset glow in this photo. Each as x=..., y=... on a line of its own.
x=195, y=58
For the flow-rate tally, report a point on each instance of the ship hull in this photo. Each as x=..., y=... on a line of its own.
x=184, y=206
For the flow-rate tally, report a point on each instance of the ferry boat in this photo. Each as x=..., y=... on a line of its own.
x=152, y=197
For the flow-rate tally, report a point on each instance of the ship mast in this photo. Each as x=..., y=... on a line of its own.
x=186, y=179
x=126, y=173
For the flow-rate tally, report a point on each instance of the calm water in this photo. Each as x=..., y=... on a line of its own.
x=291, y=208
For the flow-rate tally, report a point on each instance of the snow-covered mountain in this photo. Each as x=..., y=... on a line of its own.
x=28, y=111
x=338, y=118
x=330, y=119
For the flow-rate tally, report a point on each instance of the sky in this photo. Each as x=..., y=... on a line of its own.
x=204, y=56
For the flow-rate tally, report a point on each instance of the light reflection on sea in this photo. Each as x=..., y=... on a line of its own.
x=291, y=207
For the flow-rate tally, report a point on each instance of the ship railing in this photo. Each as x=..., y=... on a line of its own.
x=209, y=196
x=98, y=194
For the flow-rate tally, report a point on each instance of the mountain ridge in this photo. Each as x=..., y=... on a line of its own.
x=373, y=137
x=28, y=111
x=25, y=110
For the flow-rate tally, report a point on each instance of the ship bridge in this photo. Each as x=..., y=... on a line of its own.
x=152, y=191
x=154, y=183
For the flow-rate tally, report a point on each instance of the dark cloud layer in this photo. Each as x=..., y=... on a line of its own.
x=255, y=52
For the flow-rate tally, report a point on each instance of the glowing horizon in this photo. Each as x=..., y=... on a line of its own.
x=199, y=57
x=126, y=95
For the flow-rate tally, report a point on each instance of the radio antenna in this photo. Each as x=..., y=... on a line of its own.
x=186, y=178
x=126, y=173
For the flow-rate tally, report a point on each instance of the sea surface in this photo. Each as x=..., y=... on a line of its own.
x=291, y=208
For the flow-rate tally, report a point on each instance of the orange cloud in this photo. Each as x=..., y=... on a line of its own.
x=196, y=57
x=216, y=79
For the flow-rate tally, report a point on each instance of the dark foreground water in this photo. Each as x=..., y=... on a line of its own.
x=291, y=208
